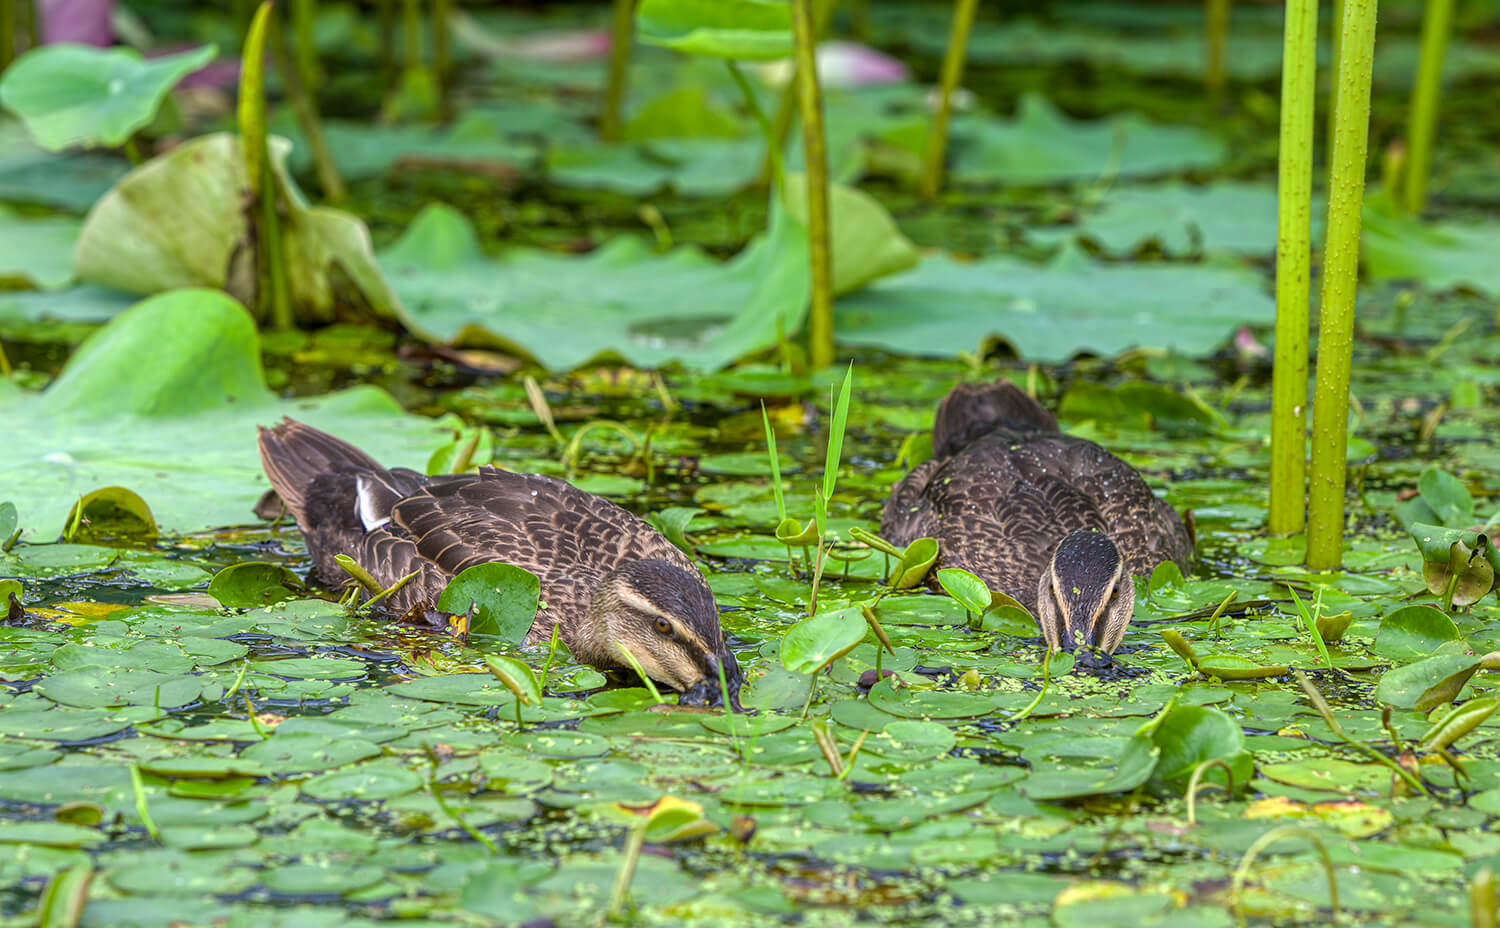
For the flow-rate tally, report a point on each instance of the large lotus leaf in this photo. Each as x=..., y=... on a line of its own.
x=1051, y=312
x=1227, y=216
x=865, y=241
x=80, y=95
x=693, y=167
x=618, y=301
x=165, y=400
x=178, y=221
x=1043, y=146
x=722, y=28
x=1442, y=255
x=36, y=252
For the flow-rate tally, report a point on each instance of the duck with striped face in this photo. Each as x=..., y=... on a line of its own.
x=1085, y=597
x=668, y=620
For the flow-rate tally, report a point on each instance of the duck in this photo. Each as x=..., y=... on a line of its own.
x=607, y=577
x=1054, y=521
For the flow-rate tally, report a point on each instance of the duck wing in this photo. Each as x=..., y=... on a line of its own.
x=568, y=538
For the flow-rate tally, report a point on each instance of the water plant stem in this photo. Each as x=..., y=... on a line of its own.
x=138, y=787
x=1328, y=473
x=1197, y=783
x=1242, y=870
x=1320, y=705
x=640, y=671
x=63, y=900
x=634, y=840
x=356, y=570
x=774, y=169
x=305, y=106
x=1299, y=77
x=1482, y=899
x=442, y=57
x=815, y=158
x=952, y=74
x=304, y=14
x=442, y=804
x=1216, y=41
x=622, y=31
x=7, y=33
x=1422, y=126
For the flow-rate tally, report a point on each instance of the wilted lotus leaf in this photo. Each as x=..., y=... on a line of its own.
x=1466, y=576
x=179, y=220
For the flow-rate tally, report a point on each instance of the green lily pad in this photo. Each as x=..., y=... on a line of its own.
x=503, y=598
x=180, y=433
x=320, y=879
x=307, y=752
x=1191, y=735
x=1426, y=683
x=1225, y=216
x=932, y=704
x=51, y=834
x=1442, y=255
x=1413, y=632
x=816, y=642
x=619, y=301
x=365, y=781
x=80, y=95
x=253, y=583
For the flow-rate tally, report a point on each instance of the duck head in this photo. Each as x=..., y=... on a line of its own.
x=667, y=618
x=1085, y=597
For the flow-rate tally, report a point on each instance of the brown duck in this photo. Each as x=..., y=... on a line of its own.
x=607, y=577
x=1054, y=521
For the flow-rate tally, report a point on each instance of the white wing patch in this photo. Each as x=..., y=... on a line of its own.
x=369, y=503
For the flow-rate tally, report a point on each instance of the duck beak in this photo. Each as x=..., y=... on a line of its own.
x=706, y=692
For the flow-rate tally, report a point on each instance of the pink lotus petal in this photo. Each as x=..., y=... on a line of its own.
x=1247, y=345
x=850, y=64
x=84, y=21
x=562, y=45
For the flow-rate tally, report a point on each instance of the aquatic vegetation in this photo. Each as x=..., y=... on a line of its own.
x=598, y=269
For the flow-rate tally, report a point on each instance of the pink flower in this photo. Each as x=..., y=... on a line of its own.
x=82, y=21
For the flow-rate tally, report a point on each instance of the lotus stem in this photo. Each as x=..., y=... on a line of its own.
x=1482, y=899
x=1328, y=473
x=773, y=170
x=304, y=15
x=354, y=569
x=1242, y=871
x=781, y=126
x=385, y=13
x=1216, y=40
x=305, y=105
x=952, y=74
x=443, y=807
x=33, y=23
x=621, y=34
x=1325, y=711
x=815, y=156
x=7, y=33
x=1299, y=76
x=411, y=33
x=859, y=20
x=1336, y=55
x=442, y=56
x=1424, y=102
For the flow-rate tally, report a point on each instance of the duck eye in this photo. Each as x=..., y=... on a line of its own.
x=663, y=626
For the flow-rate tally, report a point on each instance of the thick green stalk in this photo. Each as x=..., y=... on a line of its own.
x=1325, y=511
x=385, y=14
x=304, y=14
x=621, y=35
x=815, y=156
x=1336, y=44
x=1424, y=103
x=7, y=33
x=1299, y=84
x=33, y=23
x=1216, y=40
x=786, y=108
x=411, y=32
x=953, y=72
x=306, y=108
x=442, y=64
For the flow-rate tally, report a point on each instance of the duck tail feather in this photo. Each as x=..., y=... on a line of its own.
x=970, y=411
x=294, y=455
